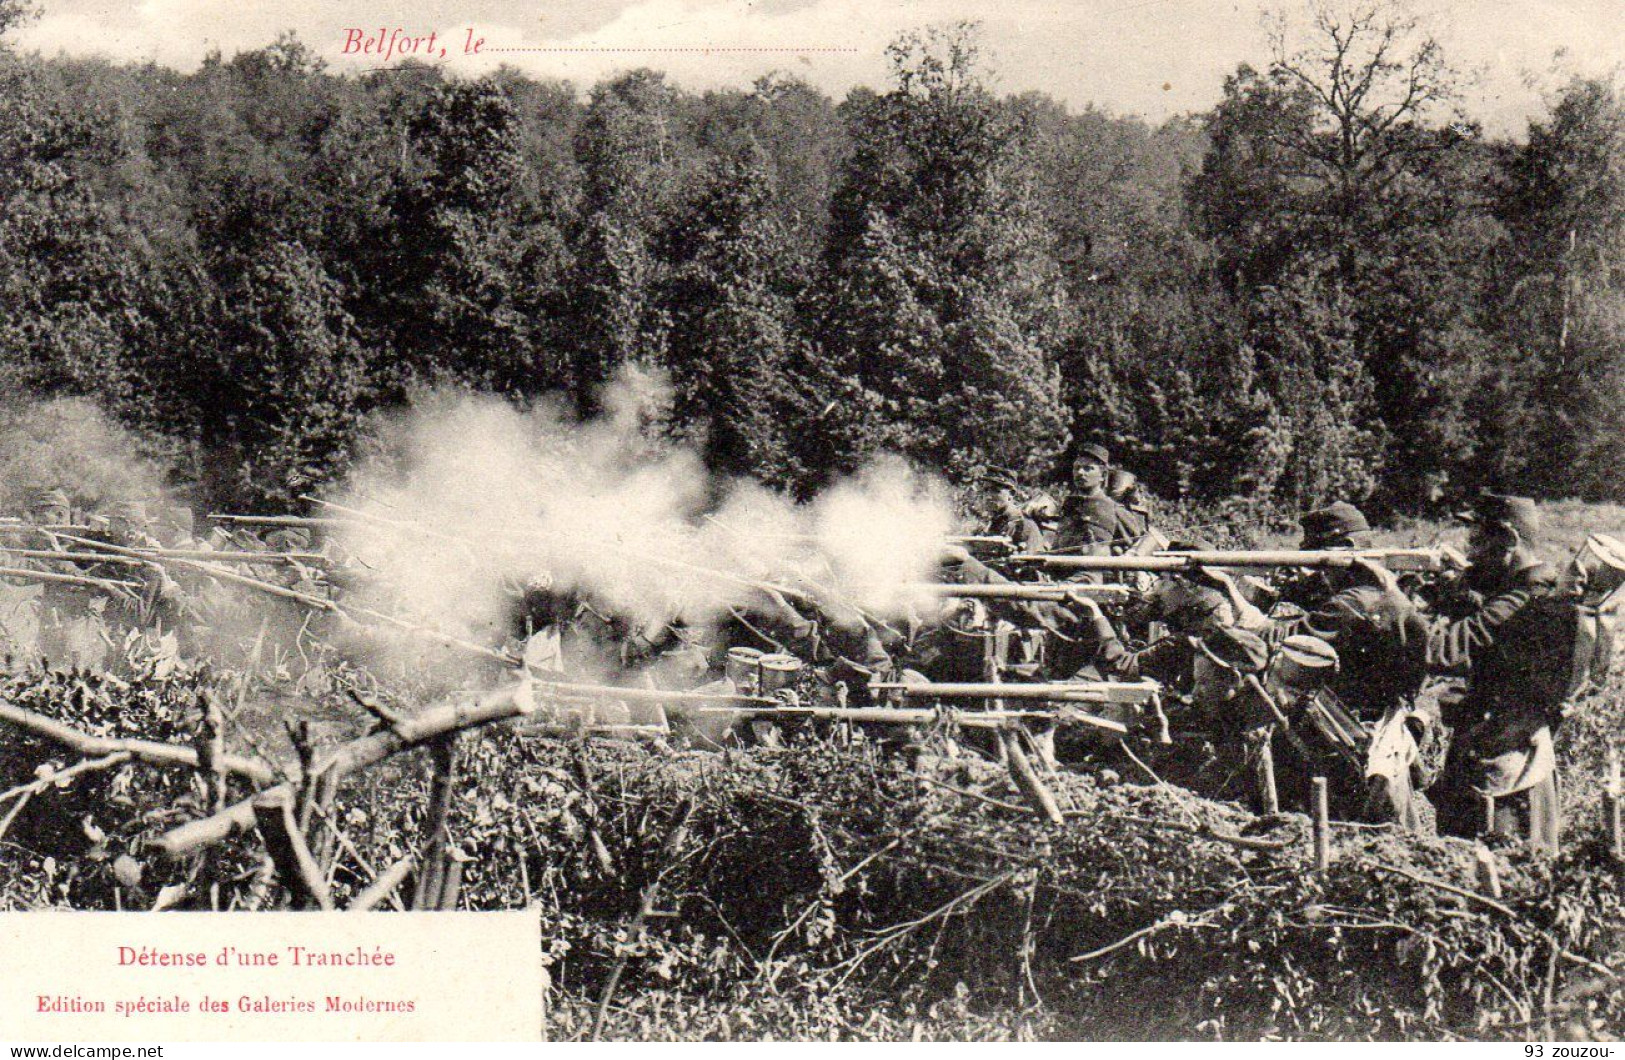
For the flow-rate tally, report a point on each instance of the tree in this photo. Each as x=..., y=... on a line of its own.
x=731, y=297
x=291, y=384
x=1309, y=365
x=1374, y=81
x=1346, y=163
x=477, y=292
x=942, y=300
x=636, y=170
x=14, y=13
x=1565, y=310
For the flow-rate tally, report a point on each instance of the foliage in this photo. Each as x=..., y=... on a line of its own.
x=926, y=268
x=895, y=905
x=941, y=291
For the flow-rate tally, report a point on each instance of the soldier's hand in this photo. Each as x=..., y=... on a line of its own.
x=1085, y=603
x=1453, y=557
x=1380, y=574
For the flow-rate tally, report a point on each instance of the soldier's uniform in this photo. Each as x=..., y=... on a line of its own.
x=161, y=601
x=1133, y=506
x=1006, y=515
x=1599, y=594
x=1091, y=523
x=1339, y=525
x=1091, y=526
x=1381, y=643
x=64, y=620
x=1512, y=638
x=848, y=653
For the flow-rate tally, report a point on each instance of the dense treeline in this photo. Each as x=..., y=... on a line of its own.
x=1332, y=284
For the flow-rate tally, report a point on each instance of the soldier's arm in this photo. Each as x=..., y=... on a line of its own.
x=1452, y=643
x=1164, y=660
x=1330, y=620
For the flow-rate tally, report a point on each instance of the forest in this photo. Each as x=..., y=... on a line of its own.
x=1334, y=284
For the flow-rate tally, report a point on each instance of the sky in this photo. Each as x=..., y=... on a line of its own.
x=1154, y=58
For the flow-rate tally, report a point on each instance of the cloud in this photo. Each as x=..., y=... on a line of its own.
x=1153, y=57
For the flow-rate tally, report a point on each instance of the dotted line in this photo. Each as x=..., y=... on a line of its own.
x=690, y=49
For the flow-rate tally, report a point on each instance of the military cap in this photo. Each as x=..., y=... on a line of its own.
x=50, y=498
x=1600, y=568
x=1310, y=652
x=288, y=539
x=1097, y=453
x=997, y=476
x=1305, y=662
x=129, y=511
x=1236, y=649
x=1336, y=522
x=1503, y=510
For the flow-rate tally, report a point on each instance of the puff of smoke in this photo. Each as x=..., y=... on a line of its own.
x=70, y=444
x=470, y=500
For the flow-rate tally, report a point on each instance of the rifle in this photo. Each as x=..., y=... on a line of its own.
x=1024, y=591
x=277, y=520
x=70, y=557
x=311, y=559
x=167, y=553
x=1055, y=692
x=67, y=579
x=12, y=526
x=982, y=542
x=983, y=719
x=1399, y=559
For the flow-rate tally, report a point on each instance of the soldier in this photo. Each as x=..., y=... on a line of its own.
x=1134, y=506
x=50, y=507
x=1339, y=525
x=1381, y=642
x=1508, y=634
x=1091, y=522
x=130, y=526
x=1190, y=607
x=162, y=602
x=176, y=528
x=62, y=609
x=1598, y=587
x=1006, y=515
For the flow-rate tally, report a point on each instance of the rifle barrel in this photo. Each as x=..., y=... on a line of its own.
x=1060, y=692
x=1061, y=561
x=66, y=579
x=212, y=556
x=277, y=520
x=1023, y=591
x=1396, y=558
x=69, y=557
x=44, y=528
x=721, y=700
x=988, y=719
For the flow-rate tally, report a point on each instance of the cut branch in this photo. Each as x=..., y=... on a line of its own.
x=273, y=813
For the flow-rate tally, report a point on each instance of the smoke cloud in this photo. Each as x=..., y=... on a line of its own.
x=469, y=500
x=72, y=445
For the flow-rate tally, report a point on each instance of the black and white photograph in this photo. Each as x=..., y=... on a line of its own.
x=943, y=521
